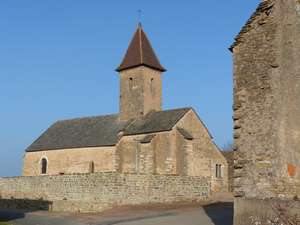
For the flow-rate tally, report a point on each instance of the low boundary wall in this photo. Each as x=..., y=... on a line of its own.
x=100, y=191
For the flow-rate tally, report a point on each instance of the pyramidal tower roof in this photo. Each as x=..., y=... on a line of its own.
x=140, y=53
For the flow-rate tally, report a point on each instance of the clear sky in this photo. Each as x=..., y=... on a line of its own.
x=57, y=61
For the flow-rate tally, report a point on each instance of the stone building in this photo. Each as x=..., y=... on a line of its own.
x=141, y=139
x=267, y=114
x=229, y=156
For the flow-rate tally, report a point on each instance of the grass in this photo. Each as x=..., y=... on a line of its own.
x=3, y=222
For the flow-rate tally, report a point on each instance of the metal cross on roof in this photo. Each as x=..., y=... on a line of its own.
x=139, y=16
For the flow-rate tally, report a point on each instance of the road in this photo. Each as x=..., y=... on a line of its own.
x=214, y=214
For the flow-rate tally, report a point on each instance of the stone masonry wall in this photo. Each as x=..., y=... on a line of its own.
x=266, y=98
x=169, y=153
x=254, y=112
x=100, y=191
x=229, y=155
x=201, y=153
x=156, y=157
x=68, y=161
x=140, y=92
x=266, y=110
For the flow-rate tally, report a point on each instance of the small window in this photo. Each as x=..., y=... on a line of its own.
x=130, y=83
x=218, y=171
x=92, y=167
x=44, y=165
x=152, y=86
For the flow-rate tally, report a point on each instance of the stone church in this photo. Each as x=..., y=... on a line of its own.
x=141, y=139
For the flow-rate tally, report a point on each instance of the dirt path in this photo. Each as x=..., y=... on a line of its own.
x=214, y=214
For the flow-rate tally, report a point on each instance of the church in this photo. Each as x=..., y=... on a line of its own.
x=142, y=139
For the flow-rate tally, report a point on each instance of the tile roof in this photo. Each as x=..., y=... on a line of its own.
x=103, y=131
x=140, y=53
x=82, y=132
x=156, y=122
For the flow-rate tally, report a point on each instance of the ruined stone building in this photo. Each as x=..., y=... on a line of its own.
x=267, y=112
x=141, y=139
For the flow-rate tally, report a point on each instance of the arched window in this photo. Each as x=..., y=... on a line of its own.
x=44, y=165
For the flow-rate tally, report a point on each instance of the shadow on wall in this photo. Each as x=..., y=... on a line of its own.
x=220, y=213
x=21, y=204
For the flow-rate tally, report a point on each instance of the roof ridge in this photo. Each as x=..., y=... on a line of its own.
x=183, y=108
x=87, y=117
x=186, y=110
x=141, y=48
x=158, y=121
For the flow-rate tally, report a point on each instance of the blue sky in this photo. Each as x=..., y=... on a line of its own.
x=57, y=61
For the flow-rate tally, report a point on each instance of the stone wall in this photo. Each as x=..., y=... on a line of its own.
x=155, y=157
x=66, y=161
x=140, y=92
x=266, y=96
x=254, y=112
x=229, y=156
x=170, y=153
x=167, y=153
x=202, y=154
x=266, y=107
x=100, y=191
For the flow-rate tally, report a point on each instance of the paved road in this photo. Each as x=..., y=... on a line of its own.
x=215, y=214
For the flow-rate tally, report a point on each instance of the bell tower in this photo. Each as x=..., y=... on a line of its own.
x=140, y=78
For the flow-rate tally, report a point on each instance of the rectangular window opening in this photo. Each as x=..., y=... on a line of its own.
x=218, y=171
